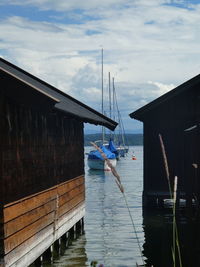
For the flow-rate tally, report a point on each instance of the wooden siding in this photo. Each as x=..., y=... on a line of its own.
x=42, y=188
x=27, y=218
x=38, y=149
x=171, y=119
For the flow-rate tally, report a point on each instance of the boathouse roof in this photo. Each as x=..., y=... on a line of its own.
x=142, y=112
x=60, y=100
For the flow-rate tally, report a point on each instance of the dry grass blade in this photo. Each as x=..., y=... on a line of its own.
x=164, y=157
x=173, y=197
x=175, y=188
x=118, y=182
x=114, y=172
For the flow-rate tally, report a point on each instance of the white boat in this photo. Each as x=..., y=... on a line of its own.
x=98, y=164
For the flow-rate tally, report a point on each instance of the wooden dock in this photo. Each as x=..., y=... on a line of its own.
x=34, y=223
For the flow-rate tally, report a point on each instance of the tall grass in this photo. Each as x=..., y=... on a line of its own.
x=175, y=244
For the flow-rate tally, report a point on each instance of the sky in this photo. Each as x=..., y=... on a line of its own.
x=149, y=47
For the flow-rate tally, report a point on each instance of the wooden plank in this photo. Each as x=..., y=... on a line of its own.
x=71, y=194
x=28, y=218
x=18, y=238
x=66, y=187
x=29, y=245
x=31, y=249
x=71, y=204
x=69, y=219
x=23, y=206
x=16, y=209
x=65, y=217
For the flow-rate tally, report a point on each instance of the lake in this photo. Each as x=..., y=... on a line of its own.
x=109, y=237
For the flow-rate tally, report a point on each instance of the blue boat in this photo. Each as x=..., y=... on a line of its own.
x=97, y=162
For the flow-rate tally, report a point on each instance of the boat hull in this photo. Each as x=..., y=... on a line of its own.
x=99, y=164
x=121, y=152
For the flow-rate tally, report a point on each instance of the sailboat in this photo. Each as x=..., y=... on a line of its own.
x=95, y=159
x=97, y=162
x=119, y=139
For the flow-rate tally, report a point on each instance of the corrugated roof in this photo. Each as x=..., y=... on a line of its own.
x=141, y=112
x=63, y=102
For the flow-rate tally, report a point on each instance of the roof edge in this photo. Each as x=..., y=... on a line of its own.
x=138, y=114
x=109, y=123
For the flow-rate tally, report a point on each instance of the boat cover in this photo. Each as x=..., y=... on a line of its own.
x=112, y=147
x=95, y=154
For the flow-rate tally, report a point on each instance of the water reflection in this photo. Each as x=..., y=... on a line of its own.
x=75, y=254
x=157, y=226
x=110, y=237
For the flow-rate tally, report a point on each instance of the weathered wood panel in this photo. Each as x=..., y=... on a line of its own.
x=65, y=187
x=71, y=194
x=18, y=238
x=38, y=149
x=27, y=252
x=29, y=216
x=18, y=208
x=72, y=203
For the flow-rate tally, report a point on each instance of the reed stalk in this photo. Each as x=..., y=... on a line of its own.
x=173, y=198
x=174, y=222
x=121, y=188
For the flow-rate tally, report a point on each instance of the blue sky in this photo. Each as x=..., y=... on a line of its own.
x=150, y=46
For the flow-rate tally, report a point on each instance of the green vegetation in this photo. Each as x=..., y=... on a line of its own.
x=131, y=139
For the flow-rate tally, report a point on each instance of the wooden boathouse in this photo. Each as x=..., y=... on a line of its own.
x=42, y=189
x=176, y=117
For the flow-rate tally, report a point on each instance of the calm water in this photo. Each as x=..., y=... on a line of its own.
x=109, y=237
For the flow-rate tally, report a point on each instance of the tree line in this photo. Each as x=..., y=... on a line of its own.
x=130, y=139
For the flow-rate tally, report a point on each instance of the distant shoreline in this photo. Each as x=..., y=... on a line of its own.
x=131, y=139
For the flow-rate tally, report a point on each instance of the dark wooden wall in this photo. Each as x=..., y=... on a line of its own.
x=39, y=149
x=42, y=189
x=170, y=119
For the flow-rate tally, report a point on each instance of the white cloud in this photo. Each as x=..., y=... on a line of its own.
x=162, y=88
x=65, y=4
x=143, y=41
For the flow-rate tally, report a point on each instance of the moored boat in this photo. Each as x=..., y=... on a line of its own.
x=97, y=162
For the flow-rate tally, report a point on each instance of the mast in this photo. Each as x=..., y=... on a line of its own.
x=114, y=106
x=121, y=134
x=113, y=100
x=110, y=104
x=110, y=108
x=102, y=107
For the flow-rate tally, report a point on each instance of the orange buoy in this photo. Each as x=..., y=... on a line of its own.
x=133, y=158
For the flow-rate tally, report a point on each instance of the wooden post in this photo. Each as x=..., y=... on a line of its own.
x=56, y=248
x=38, y=262
x=71, y=233
x=48, y=255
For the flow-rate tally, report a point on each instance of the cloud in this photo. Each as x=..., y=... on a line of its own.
x=149, y=47
x=65, y=4
x=162, y=88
